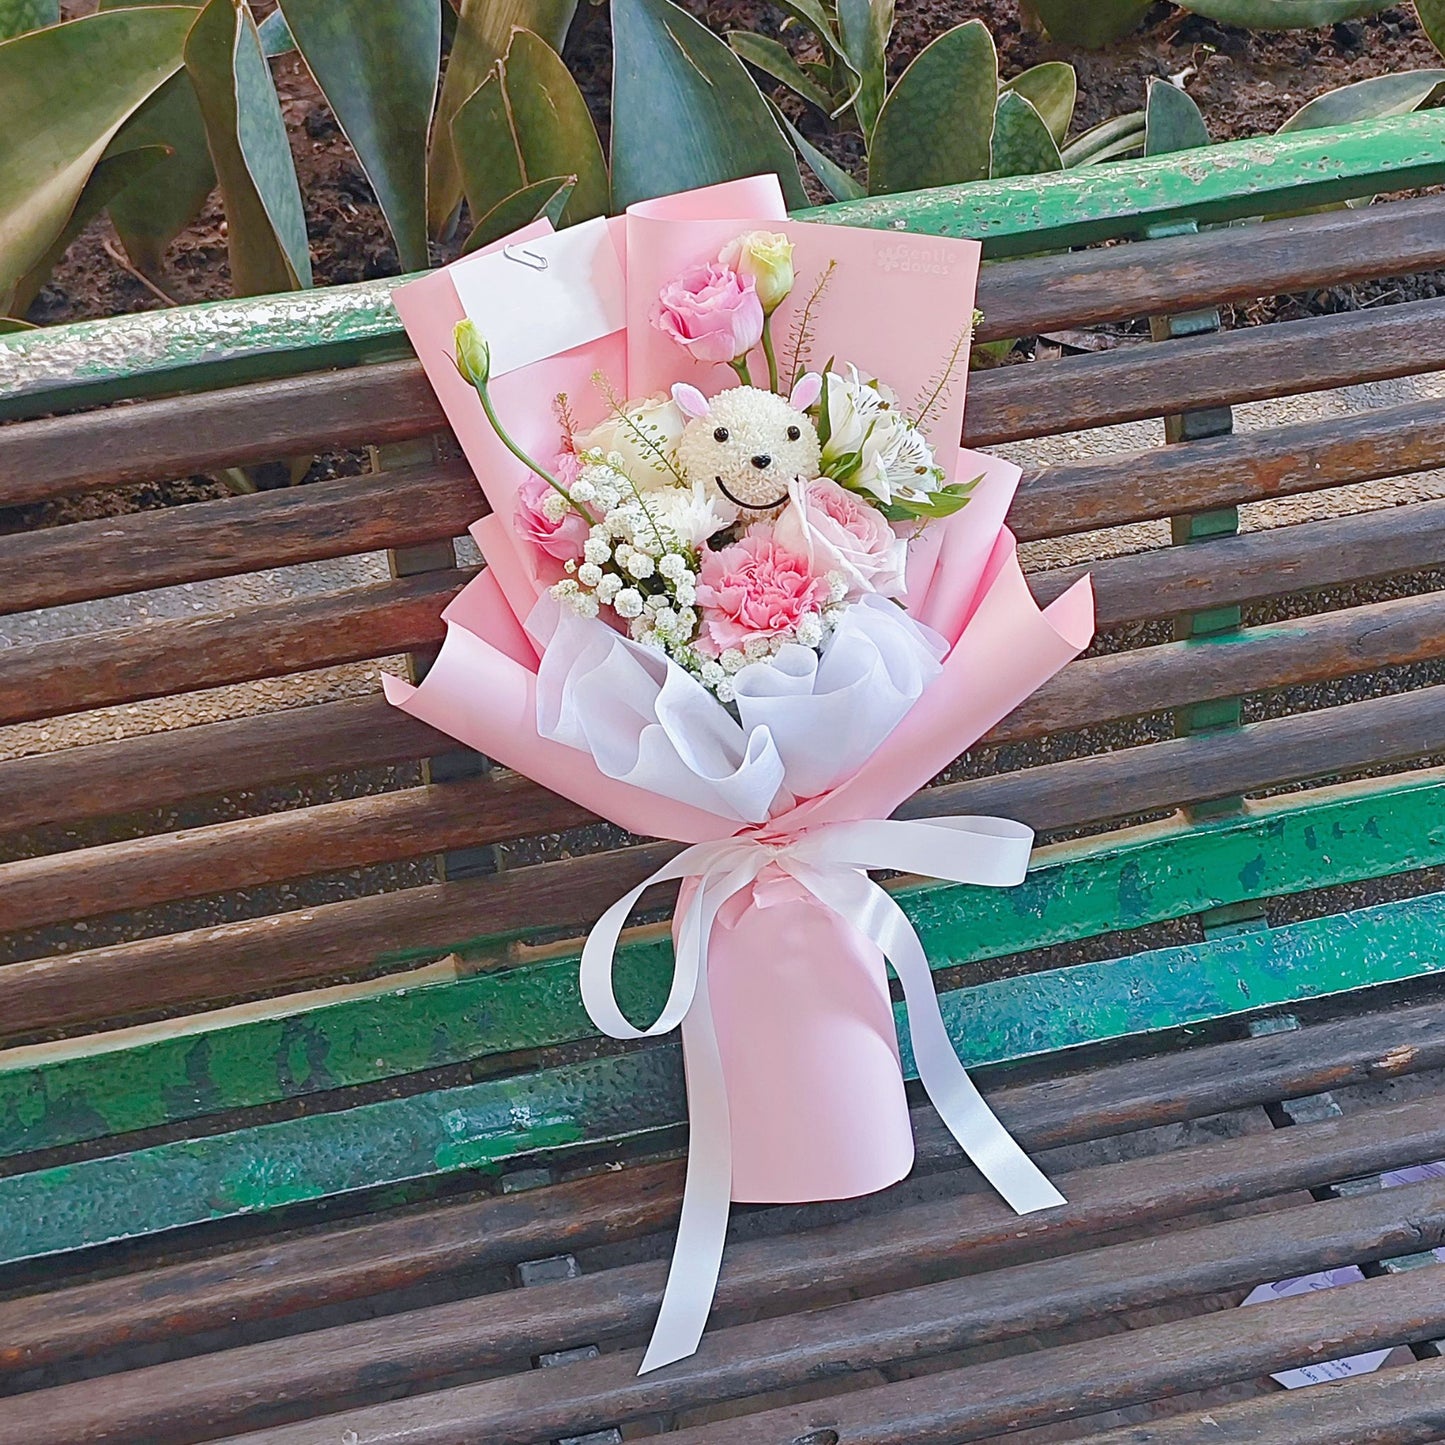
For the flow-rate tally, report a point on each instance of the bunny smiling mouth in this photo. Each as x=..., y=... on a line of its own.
x=748, y=506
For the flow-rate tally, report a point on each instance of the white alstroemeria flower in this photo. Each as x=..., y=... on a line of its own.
x=864, y=419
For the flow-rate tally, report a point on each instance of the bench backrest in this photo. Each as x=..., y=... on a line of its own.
x=308, y=931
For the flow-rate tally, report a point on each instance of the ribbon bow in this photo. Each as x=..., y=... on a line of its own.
x=830, y=861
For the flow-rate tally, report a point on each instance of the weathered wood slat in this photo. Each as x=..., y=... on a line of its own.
x=616, y=1099
x=1181, y=273
x=241, y=534
x=221, y=343
x=1403, y=1405
x=933, y=1319
x=86, y=882
x=391, y=402
x=268, y=640
x=277, y=1381
x=281, y=1276
x=1072, y=893
x=1083, y=1379
x=1198, y=372
x=1253, y=565
x=1123, y=487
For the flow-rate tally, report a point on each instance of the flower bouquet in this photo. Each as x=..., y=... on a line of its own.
x=745, y=591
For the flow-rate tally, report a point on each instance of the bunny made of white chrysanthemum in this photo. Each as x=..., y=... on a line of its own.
x=750, y=444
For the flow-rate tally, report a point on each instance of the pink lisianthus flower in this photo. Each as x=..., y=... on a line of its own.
x=711, y=311
x=755, y=588
x=561, y=536
x=839, y=532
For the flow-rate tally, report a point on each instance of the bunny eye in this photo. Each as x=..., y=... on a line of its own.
x=793, y=433
x=720, y=434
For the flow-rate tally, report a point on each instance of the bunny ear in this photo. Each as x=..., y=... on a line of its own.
x=805, y=393
x=690, y=401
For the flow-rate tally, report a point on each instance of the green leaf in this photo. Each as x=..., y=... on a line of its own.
x=1121, y=135
x=112, y=174
x=377, y=66
x=840, y=185
x=484, y=30
x=1022, y=145
x=14, y=323
x=1172, y=121
x=552, y=127
x=265, y=224
x=685, y=111
x=775, y=60
x=936, y=127
x=1090, y=23
x=19, y=17
x=864, y=27
x=1432, y=18
x=1371, y=99
x=1284, y=14
x=542, y=198
x=64, y=92
x=276, y=38
x=154, y=209
x=484, y=149
x=1052, y=89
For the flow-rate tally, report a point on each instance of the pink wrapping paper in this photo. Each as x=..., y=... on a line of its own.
x=799, y=996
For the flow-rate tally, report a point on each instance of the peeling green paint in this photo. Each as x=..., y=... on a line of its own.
x=1099, y=886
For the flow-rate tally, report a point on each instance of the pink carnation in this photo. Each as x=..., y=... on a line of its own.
x=563, y=539
x=755, y=588
x=840, y=532
x=711, y=311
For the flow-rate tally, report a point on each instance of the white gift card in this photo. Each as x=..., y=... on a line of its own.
x=540, y=297
x=1326, y=1370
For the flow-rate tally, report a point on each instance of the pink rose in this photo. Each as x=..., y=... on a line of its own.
x=711, y=311
x=839, y=532
x=754, y=588
x=562, y=539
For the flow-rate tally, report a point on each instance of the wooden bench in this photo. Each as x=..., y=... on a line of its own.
x=304, y=1135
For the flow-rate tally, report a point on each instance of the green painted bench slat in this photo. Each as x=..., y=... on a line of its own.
x=614, y=1100
x=227, y=342
x=1077, y=891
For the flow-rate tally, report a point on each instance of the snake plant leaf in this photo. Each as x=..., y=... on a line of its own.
x=776, y=60
x=1172, y=121
x=484, y=30
x=1052, y=89
x=1120, y=135
x=113, y=173
x=936, y=127
x=19, y=17
x=812, y=15
x=1284, y=14
x=685, y=111
x=864, y=26
x=14, y=323
x=1092, y=23
x=1432, y=19
x=276, y=37
x=485, y=151
x=1022, y=145
x=377, y=66
x=1371, y=99
x=840, y=185
x=64, y=92
x=552, y=127
x=542, y=198
x=265, y=224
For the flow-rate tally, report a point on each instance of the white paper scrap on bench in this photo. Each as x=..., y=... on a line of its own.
x=1328, y=1369
x=544, y=296
x=1417, y=1174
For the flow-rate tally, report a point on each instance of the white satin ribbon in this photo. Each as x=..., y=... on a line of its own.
x=830, y=861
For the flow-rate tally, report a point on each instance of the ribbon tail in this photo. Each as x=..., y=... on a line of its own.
x=707, y=1192
x=995, y=1153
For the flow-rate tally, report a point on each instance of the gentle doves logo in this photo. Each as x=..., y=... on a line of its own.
x=922, y=260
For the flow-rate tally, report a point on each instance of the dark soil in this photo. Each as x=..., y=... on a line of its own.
x=1246, y=84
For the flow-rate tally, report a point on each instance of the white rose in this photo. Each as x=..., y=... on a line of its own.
x=645, y=438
